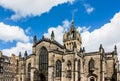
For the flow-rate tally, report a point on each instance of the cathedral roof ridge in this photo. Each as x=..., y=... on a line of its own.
x=58, y=43
x=49, y=40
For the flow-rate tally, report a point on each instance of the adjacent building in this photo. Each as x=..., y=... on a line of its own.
x=8, y=67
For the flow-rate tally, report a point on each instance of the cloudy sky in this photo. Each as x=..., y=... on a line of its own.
x=98, y=21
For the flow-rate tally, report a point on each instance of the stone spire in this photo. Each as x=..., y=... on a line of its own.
x=83, y=49
x=71, y=37
x=25, y=54
x=72, y=22
x=20, y=54
x=72, y=26
x=52, y=36
x=101, y=49
x=35, y=40
x=115, y=49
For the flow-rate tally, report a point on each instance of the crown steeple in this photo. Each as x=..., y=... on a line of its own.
x=72, y=22
x=72, y=29
x=72, y=38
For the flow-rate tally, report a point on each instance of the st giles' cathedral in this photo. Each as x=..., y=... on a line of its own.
x=51, y=61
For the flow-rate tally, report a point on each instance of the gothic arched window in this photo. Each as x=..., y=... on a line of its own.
x=29, y=71
x=69, y=68
x=79, y=70
x=58, y=68
x=91, y=65
x=43, y=59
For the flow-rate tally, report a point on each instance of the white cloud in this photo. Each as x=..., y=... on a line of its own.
x=66, y=23
x=83, y=29
x=58, y=31
x=17, y=35
x=27, y=31
x=11, y=33
x=24, y=8
x=89, y=8
x=108, y=35
x=20, y=47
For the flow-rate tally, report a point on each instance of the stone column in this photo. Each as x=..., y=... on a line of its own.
x=32, y=74
x=51, y=67
x=50, y=74
x=76, y=70
x=82, y=62
x=37, y=61
x=103, y=70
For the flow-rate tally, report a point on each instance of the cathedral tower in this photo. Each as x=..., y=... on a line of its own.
x=72, y=39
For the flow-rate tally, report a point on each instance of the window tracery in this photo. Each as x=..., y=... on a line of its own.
x=58, y=68
x=91, y=65
x=29, y=71
x=43, y=58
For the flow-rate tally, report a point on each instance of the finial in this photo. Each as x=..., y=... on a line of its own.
x=115, y=49
x=72, y=26
x=19, y=54
x=25, y=54
x=52, y=36
x=43, y=37
x=83, y=49
x=101, y=49
x=72, y=22
x=35, y=39
x=73, y=14
x=101, y=46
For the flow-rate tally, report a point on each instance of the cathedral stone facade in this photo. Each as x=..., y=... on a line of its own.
x=51, y=61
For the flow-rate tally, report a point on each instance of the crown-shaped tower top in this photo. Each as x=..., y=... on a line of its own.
x=72, y=37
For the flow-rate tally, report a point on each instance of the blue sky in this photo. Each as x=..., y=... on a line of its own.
x=98, y=21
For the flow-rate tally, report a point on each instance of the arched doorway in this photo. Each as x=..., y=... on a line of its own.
x=92, y=79
x=42, y=77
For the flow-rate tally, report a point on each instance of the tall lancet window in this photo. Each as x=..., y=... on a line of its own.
x=69, y=69
x=79, y=70
x=58, y=68
x=29, y=72
x=43, y=59
x=91, y=65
